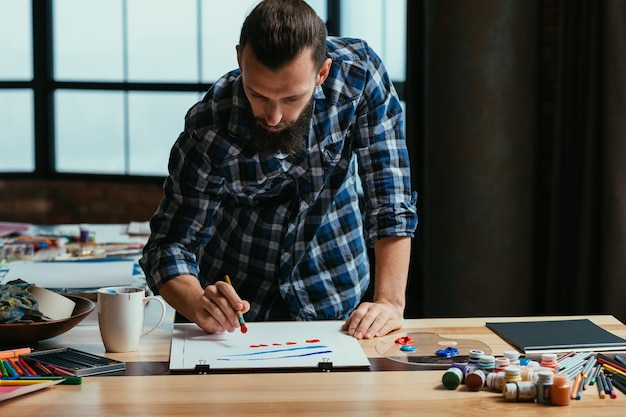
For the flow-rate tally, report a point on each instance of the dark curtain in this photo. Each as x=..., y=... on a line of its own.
x=515, y=131
x=568, y=248
x=613, y=166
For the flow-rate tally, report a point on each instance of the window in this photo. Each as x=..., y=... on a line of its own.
x=17, y=140
x=120, y=75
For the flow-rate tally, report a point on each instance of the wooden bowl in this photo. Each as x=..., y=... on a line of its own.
x=28, y=334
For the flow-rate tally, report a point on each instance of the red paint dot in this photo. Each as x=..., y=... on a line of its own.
x=291, y=343
x=276, y=344
x=313, y=341
x=263, y=345
x=404, y=340
x=254, y=346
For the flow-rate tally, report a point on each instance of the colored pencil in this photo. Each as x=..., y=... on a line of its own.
x=576, y=387
x=28, y=369
x=588, y=366
x=12, y=382
x=620, y=359
x=600, y=387
x=594, y=376
x=14, y=353
x=609, y=384
x=67, y=380
x=605, y=384
x=18, y=367
x=5, y=374
x=242, y=323
x=613, y=370
x=59, y=371
x=10, y=371
x=620, y=386
x=608, y=361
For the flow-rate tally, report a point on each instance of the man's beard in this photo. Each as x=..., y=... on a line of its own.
x=290, y=140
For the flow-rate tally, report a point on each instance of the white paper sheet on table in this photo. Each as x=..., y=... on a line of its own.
x=267, y=345
x=73, y=274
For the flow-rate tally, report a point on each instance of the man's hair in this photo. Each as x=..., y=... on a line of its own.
x=279, y=30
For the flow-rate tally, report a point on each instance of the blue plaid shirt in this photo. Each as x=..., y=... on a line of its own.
x=288, y=230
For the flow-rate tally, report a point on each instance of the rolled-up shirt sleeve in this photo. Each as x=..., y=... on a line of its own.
x=390, y=204
x=183, y=221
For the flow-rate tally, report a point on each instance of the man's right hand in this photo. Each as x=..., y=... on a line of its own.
x=214, y=308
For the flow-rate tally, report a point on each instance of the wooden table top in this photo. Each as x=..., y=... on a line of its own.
x=152, y=391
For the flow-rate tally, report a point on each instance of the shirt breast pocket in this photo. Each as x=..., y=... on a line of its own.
x=336, y=151
x=273, y=187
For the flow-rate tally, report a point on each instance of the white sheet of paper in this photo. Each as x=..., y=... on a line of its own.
x=72, y=274
x=266, y=345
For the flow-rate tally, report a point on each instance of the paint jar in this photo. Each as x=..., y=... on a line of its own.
x=474, y=357
x=548, y=360
x=560, y=390
x=84, y=233
x=526, y=362
x=524, y=391
x=452, y=378
x=544, y=387
x=512, y=356
x=501, y=363
x=462, y=367
x=476, y=380
x=469, y=368
x=494, y=381
x=512, y=373
x=487, y=363
x=529, y=374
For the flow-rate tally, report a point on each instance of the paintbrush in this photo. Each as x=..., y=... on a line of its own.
x=242, y=323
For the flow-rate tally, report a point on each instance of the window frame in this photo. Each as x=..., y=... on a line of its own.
x=44, y=86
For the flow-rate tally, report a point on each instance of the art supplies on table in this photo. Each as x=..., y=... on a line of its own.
x=268, y=346
x=73, y=274
x=581, y=335
x=68, y=361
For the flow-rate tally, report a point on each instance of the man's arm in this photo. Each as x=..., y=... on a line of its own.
x=213, y=309
x=386, y=312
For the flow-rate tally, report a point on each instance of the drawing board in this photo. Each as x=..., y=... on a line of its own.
x=266, y=346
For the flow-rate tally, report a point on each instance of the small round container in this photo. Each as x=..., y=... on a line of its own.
x=544, y=387
x=487, y=363
x=560, y=390
x=494, y=381
x=512, y=373
x=501, y=363
x=474, y=357
x=524, y=391
x=512, y=355
x=452, y=378
x=548, y=360
x=476, y=380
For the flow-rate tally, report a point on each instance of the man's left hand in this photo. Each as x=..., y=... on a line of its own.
x=373, y=319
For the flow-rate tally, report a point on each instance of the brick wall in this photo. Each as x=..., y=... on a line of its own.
x=77, y=201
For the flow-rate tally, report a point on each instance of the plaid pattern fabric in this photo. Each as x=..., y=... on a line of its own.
x=288, y=226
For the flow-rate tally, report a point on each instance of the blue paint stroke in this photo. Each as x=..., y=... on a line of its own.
x=291, y=349
x=251, y=356
x=277, y=357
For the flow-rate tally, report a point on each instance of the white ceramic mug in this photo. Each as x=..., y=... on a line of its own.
x=121, y=317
